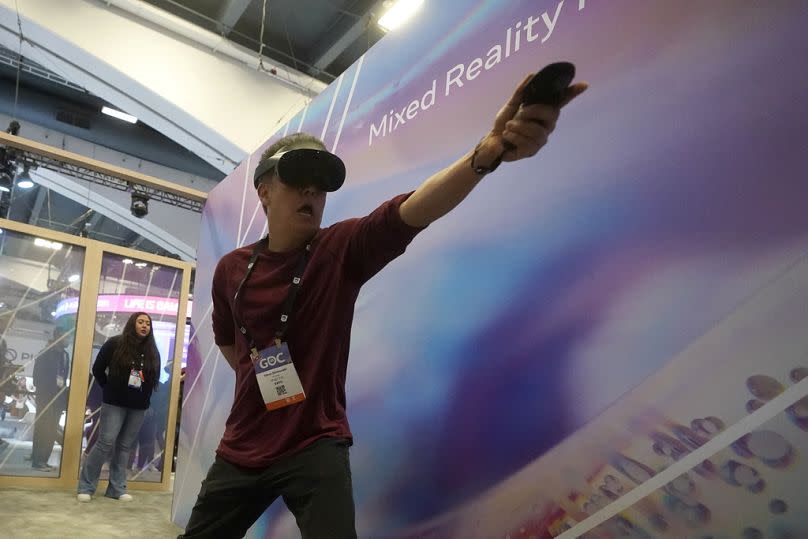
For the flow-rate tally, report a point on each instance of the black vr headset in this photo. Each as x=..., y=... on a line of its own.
x=303, y=165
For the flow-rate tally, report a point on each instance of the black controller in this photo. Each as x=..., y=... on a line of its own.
x=549, y=86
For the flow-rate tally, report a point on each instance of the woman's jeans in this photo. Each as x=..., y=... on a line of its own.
x=119, y=429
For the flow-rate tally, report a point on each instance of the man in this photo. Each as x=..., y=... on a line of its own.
x=5, y=381
x=50, y=374
x=282, y=313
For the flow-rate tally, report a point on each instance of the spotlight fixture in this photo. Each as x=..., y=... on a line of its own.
x=140, y=205
x=24, y=180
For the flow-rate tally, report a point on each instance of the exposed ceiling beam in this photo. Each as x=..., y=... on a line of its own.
x=229, y=14
x=41, y=192
x=345, y=40
x=93, y=200
x=92, y=223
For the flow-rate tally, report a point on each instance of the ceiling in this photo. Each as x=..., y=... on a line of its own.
x=46, y=100
x=319, y=37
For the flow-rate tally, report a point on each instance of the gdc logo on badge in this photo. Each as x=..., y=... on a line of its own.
x=270, y=361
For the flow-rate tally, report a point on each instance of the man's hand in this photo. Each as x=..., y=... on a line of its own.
x=525, y=128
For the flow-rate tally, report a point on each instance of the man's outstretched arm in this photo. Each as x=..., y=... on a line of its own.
x=525, y=128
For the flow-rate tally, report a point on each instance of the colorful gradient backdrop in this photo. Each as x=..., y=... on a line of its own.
x=631, y=293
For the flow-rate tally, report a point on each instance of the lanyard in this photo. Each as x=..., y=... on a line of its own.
x=288, y=304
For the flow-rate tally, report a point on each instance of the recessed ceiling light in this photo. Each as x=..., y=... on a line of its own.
x=399, y=13
x=41, y=242
x=118, y=114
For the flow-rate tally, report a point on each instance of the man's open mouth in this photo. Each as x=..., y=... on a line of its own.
x=306, y=209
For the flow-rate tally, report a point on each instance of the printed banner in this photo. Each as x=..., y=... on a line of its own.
x=588, y=319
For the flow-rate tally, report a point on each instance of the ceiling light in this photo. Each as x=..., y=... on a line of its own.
x=127, y=260
x=399, y=13
x=40, y=242
x=73, y=278
x=24, y=179
x=118, y=114
x=140, y=264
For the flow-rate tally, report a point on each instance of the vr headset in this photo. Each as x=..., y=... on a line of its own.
x=304, y=165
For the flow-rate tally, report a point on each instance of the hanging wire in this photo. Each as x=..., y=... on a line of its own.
x=307, y=97
x=19, y=62
x=261, y=36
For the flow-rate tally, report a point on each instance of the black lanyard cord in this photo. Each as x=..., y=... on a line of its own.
x=288, y=304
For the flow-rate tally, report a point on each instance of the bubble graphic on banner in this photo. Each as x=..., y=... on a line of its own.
x=764, y=387
x=768, y=446
x=752, y=533
x=622, y=527
x=741, y=475
x=634, y=470
x=798, y=374
x=798, y=413
x=753, y=405
x=708, y=426
x=694, y=514
x=778, y=507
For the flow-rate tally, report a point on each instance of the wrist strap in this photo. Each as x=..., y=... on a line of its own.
x=482, y=170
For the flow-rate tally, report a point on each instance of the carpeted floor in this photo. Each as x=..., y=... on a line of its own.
x=40, y=514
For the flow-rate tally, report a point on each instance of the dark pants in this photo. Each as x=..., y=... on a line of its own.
x=46, y=427
x=145, y=442
x=315, y=485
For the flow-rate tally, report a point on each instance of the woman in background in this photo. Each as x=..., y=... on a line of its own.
x=127, y=368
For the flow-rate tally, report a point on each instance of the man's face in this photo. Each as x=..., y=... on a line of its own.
x=300, y=208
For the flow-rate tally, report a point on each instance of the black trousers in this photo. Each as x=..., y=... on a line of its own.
x=46, y=427
x=315, y=484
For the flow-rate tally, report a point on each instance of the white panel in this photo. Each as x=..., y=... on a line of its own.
x=209, y=102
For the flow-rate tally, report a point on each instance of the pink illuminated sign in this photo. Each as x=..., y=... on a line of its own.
x=125, y=304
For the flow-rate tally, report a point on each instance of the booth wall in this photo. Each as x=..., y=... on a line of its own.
x=587, y=318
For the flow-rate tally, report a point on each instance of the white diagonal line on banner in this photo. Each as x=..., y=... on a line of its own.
x=760, y=416
x=243, y=195
x=302, y=119
x=331, y=107
x=348, y=103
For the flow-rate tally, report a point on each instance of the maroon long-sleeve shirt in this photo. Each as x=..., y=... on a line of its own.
x=344, y=257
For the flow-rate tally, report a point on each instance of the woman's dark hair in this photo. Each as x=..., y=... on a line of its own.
x=128, y=352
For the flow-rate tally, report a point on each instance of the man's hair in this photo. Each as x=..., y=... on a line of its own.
x=287, y=141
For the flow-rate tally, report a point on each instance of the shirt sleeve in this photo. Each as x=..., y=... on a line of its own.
x=37, y=375
x=102, y=361
x=224, y=328
x=377, y=239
